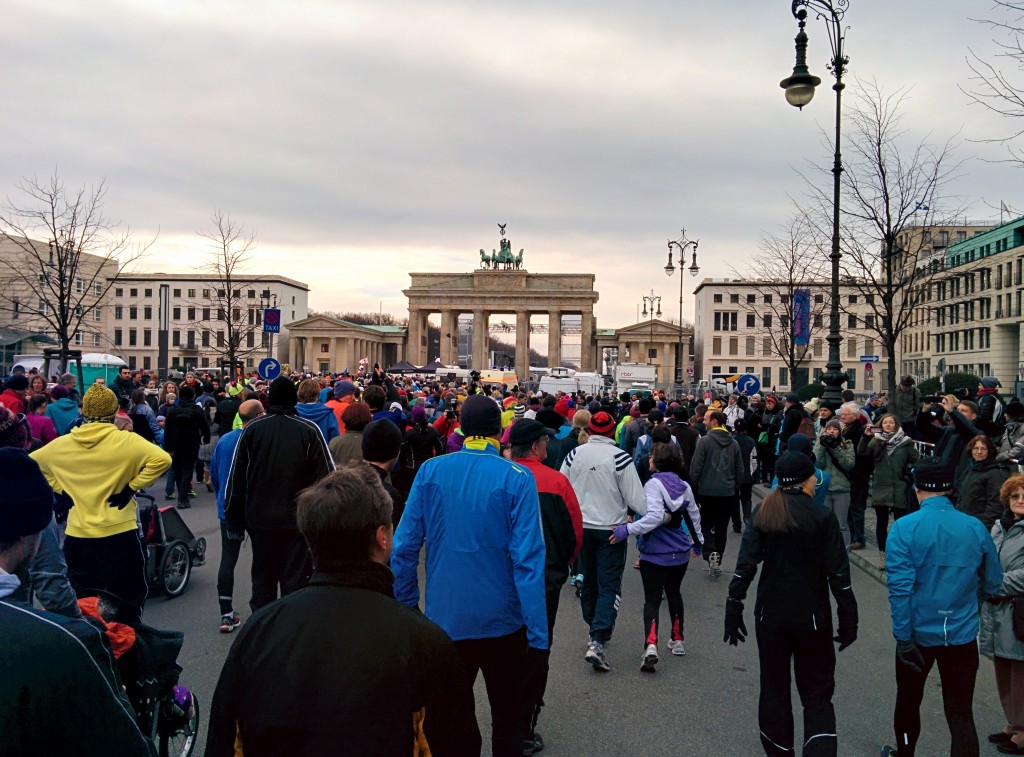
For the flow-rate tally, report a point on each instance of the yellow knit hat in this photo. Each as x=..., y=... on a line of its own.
x=98, y=404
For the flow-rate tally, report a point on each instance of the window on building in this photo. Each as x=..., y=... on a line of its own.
x=250, y=339
x=221, y=314
x=191, y=339
x=851, y=346
x=147, y=362
x=784, y=321
x=147, y=313
x=78, y=338
x=147, y=338
x=926, y=237
x=177, y=293
x=95, y=340
x=818, y=347
x=97, y=288
x=716, y=345
x=15, y=307
x=751, y=320
x=221, y=292
x=118, y=312
x=191, y=294
x=206, y=293
x=80, y=285
x=44, y=308
x=784, y=299
x=767, y=299
x=734, y=298
x=943, y=239
x=852, y=299
x=132, y=362
x=236, y=293
x=149, y=292
x=220, y=338
x=118, y=292
x=869, y=321
x=751, y=298
x=784, y=376
x=851, y=378
x=818, y=320
x=750, y=345
x=206, y=314
x=250, y=362
x=252, y=294
x=961, y=236
x=117, y=338
x=817, y=375
x=236, y=314
x=766, y=320
x=191, y=314
x=133, y=313
x=851, y=321
x=766, y=346
x=766, y=378
x=133, y=293
x=176, y=338
x=176, y=314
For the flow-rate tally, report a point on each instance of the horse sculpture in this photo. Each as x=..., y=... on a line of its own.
x=503, y=258
x=485, y=260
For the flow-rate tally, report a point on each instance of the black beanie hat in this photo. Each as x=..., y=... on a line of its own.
x=381, y=441
x=480, y=416
x=645, y=406
x=18, y=382
x=932, y=475
x=793, y=468
x=800, y=443
x=186, y=392
x=283, y=392
x=26, y=500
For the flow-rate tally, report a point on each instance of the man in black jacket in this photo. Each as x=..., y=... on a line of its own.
x=792, y=415
x=340, y=666
x=860, y=476
x=278, y=455
x=185, y=428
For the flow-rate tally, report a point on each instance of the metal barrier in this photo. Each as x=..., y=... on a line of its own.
x=924, y=449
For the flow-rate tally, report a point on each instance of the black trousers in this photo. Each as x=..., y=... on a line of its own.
x=114, y=564
x=503, y=662
x=715, y=511
x=279, y=558
x=882, y=523
x=958, y=669
x=658, y=579
x=229, y=551
x=536, y=682
x=183, y=463
x=813, y=659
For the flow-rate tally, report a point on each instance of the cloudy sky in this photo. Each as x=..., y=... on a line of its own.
x=364, y=140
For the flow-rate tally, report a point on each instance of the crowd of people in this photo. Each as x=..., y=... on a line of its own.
x=343, y=484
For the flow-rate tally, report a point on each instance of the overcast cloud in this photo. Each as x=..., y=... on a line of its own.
x=361, y=141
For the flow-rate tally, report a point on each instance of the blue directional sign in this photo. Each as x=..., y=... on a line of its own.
x=269, y=369
x=748, y=383
x=272, y=320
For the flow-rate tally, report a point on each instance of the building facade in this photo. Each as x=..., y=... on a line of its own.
x=741, y=326
x=974, y=302
x=198, y=325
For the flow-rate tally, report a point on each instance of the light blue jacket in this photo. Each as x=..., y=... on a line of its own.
x=220, y=466
x=940, y=562
x=479, y=515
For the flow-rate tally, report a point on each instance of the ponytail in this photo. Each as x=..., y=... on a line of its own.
x=774, y=515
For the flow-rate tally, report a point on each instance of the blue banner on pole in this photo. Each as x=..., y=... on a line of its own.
x=802, y=317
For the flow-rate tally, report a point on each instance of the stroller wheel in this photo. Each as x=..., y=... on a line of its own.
x=178, y=738
x=175, y=568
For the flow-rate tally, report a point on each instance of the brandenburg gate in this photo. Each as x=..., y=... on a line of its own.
x=501, y=286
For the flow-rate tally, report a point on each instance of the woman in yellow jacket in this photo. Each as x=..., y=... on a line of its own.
x=99, y=468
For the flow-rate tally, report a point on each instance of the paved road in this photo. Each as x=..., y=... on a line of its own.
x=703, y=703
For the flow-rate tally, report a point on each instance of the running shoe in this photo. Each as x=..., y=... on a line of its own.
x=650, y=658
x=192, y=493
x=169, y=495
x=595, y=656
x=577, y=583
x=675, y=646
x=715, y=565
x=888, y=751
x=230, y=622
x=533, y=744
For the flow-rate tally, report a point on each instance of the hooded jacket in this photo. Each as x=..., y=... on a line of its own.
x=63, y=412
x=93, y=462
x=979, y=491
x=322, y=416
x=905, y=403
x=717, y=468
x=661, y=542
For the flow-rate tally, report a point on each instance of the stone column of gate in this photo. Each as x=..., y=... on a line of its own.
x=449, y=325
x=412, y=337
x=587, y=361
x=481, y=340
x=523, y=344
x=554, y=338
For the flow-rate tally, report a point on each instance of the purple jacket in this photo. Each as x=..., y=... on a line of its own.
x=660, y=543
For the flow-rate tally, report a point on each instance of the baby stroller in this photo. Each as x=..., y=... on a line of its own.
x=166, y=712
x=171, y=548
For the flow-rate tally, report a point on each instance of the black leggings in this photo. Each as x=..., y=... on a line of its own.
x=882, y=523
x=658, y=579
x=230, y=548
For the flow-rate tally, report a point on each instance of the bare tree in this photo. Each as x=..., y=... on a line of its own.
x=892, y=189
x=225, y=300
x=790, y=274
x=63, y=256
x=991, y=86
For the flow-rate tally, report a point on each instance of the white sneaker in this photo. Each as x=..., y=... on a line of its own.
x=596, y=656
x=714, y=565
x=650, y=658
x=675, y=646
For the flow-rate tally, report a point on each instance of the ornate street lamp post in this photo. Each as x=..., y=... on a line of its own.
x=651, y=300
x=799, y=91
x=682, y=243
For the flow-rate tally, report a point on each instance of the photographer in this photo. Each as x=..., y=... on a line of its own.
x=836, y=456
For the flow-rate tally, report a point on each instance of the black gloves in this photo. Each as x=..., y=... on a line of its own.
x=121, y=499
x=846, y=635
x=735, y=631
x=62, y=504
x=910, y=656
